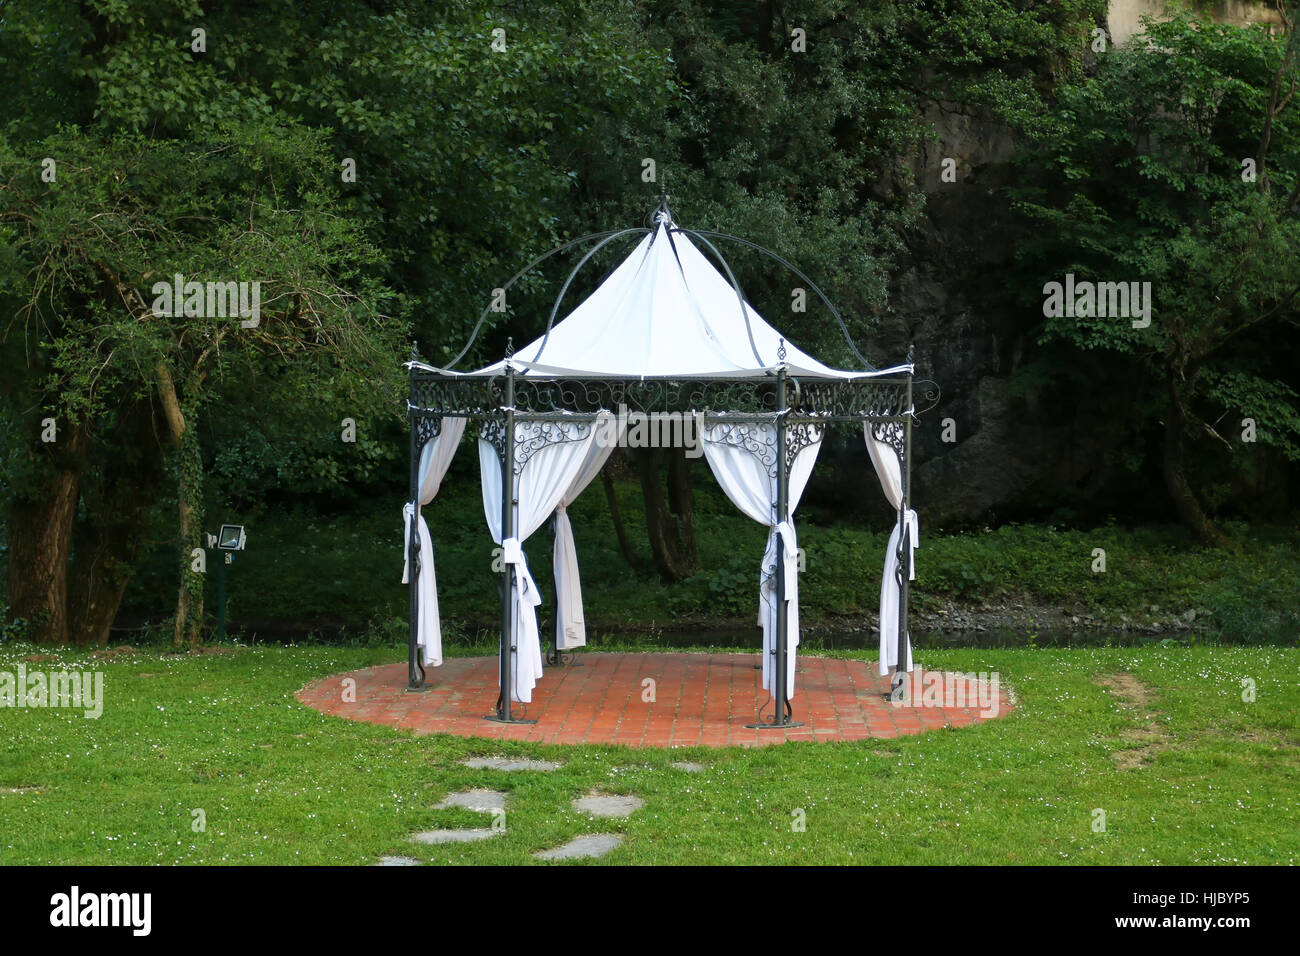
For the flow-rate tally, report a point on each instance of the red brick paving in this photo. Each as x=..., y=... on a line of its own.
x=701, y=700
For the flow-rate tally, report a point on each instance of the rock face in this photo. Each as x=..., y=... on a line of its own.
x=1015, y=449
x=951, y=297
x=1123, y=16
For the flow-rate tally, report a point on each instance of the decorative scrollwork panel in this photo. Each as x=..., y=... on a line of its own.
x=823, y=400
x=894, y=435
x=532, y=437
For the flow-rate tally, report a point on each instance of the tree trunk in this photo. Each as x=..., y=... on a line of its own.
x=40, y=536
x=623, y=544
x=681, y=500
x=117, y=497
x=40, y=539
x=97, y=584
x=189, y=599
x=184, y=434
x=673, y=560
x=1180, y=490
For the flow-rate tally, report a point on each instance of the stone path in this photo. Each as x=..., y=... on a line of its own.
x=484, y=801
x=586, y=847
x=608, y=805
x=455, y=836
x=583, y=848
x=506, y=763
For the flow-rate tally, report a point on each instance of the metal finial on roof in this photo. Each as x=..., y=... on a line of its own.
x=780, y=350
x=510, y=346
x=663, y=214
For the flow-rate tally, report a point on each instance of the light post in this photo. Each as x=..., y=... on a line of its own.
x=230, y=539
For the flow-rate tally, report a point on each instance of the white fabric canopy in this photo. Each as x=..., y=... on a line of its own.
x=539, y=488
x=666, y=311
x=435, y=458
x=571, y=626
x=889, y=471
x=748, y=482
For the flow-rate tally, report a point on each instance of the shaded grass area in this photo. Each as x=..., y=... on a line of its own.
x=304, y=570
x=1215, y=779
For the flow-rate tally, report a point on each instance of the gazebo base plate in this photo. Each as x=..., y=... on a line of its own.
x=786, y=726
x=511, y=720
x=704, y=700
x=564, y=662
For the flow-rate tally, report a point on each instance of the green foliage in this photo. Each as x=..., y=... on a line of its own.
x=1250, y=602
x=226, y=163
x=1138, y=174
x=303, y=571
x=235, y=204
x=729, y=591
x=810, y=153
x=1273, y=405
x=14, y=629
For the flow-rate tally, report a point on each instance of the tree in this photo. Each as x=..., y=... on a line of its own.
x=797, y=131
x=1177, y=162
x=242, y=224
x=284, y=143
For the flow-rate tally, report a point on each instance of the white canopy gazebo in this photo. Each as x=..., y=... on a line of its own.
x=665, y=334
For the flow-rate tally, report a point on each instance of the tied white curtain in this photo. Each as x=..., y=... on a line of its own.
x=571, y=626
x=435, y=458
x=539, y=488
x=890, y=472
x=752, y=487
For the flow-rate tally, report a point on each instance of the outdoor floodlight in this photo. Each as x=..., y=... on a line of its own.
x=231, y=537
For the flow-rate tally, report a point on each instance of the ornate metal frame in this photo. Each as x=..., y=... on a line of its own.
x=536, y=435
x=522, y=413
x=799, y=408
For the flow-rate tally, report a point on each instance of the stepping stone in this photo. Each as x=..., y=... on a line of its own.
x=455, y=836
x=689, y=766
x=397, y=861
x=608, y=805
x=484, y=801
x=506, y=763
x=583, y=848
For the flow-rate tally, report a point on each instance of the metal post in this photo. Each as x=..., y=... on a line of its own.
x=414, y=673
x=508, y=503
x=782, y=717
x=507, y=531
x=904, y=543
x=221, y=596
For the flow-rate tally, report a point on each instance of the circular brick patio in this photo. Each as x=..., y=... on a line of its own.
x=699, y=700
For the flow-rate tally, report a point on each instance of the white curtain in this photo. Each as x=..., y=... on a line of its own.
x=571, y=626
x=890, y=473
x=539, y=488
x=751, y=486
x=435, y=458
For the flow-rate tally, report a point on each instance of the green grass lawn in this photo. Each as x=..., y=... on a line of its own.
x=1213, y=779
